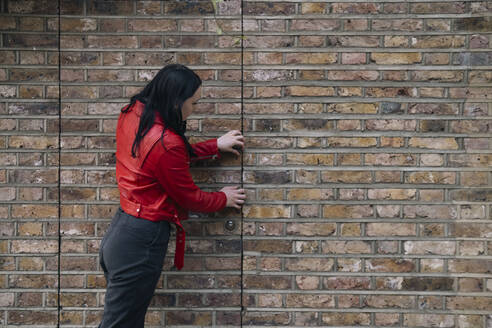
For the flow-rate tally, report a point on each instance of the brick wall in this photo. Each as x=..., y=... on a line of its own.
x=367, y=163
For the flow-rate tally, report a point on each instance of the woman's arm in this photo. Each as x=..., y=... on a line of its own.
x=172, y=172
x=205, y=150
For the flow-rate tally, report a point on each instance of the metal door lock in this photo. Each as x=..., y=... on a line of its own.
x=230, y=225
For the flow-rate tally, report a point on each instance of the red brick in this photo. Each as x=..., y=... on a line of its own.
x=311, y=229
x=354, y=41
x=455, y=7
x=94, y=41
x=345, y=319
x=266, y=318
x=151, y=25
x=309, y=264
x=310, y=301
x=27, y=317
x=261, y=8
x=390, y=265
x=267, y=282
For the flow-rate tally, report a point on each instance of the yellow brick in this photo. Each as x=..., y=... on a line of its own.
x=389, y=58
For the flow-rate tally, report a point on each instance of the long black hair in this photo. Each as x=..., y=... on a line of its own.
x=165, y=95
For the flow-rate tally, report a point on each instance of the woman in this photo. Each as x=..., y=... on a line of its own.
x=156, y=189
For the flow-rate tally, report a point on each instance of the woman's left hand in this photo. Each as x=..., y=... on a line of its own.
x=231, y=141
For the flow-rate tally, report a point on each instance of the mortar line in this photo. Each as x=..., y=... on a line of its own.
x=58, y=301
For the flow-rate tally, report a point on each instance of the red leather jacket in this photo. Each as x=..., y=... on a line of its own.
x=156, y=185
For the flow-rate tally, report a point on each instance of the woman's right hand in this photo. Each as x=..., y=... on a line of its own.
x=235, y=196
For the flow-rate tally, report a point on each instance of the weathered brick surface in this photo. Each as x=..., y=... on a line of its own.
x=367, y=165
x=380, y=155
x=29, y=251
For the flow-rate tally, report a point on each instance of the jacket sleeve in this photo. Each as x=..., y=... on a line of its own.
x=172, y=172
x=206, y=149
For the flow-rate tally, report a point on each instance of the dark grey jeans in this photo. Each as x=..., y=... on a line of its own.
x=131, y=254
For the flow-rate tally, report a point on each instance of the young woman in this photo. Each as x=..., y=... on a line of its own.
x=156, y=189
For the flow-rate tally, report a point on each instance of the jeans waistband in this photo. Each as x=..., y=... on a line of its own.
x=125, y=217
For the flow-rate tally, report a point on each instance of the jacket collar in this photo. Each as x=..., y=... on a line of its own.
x=139, y=108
